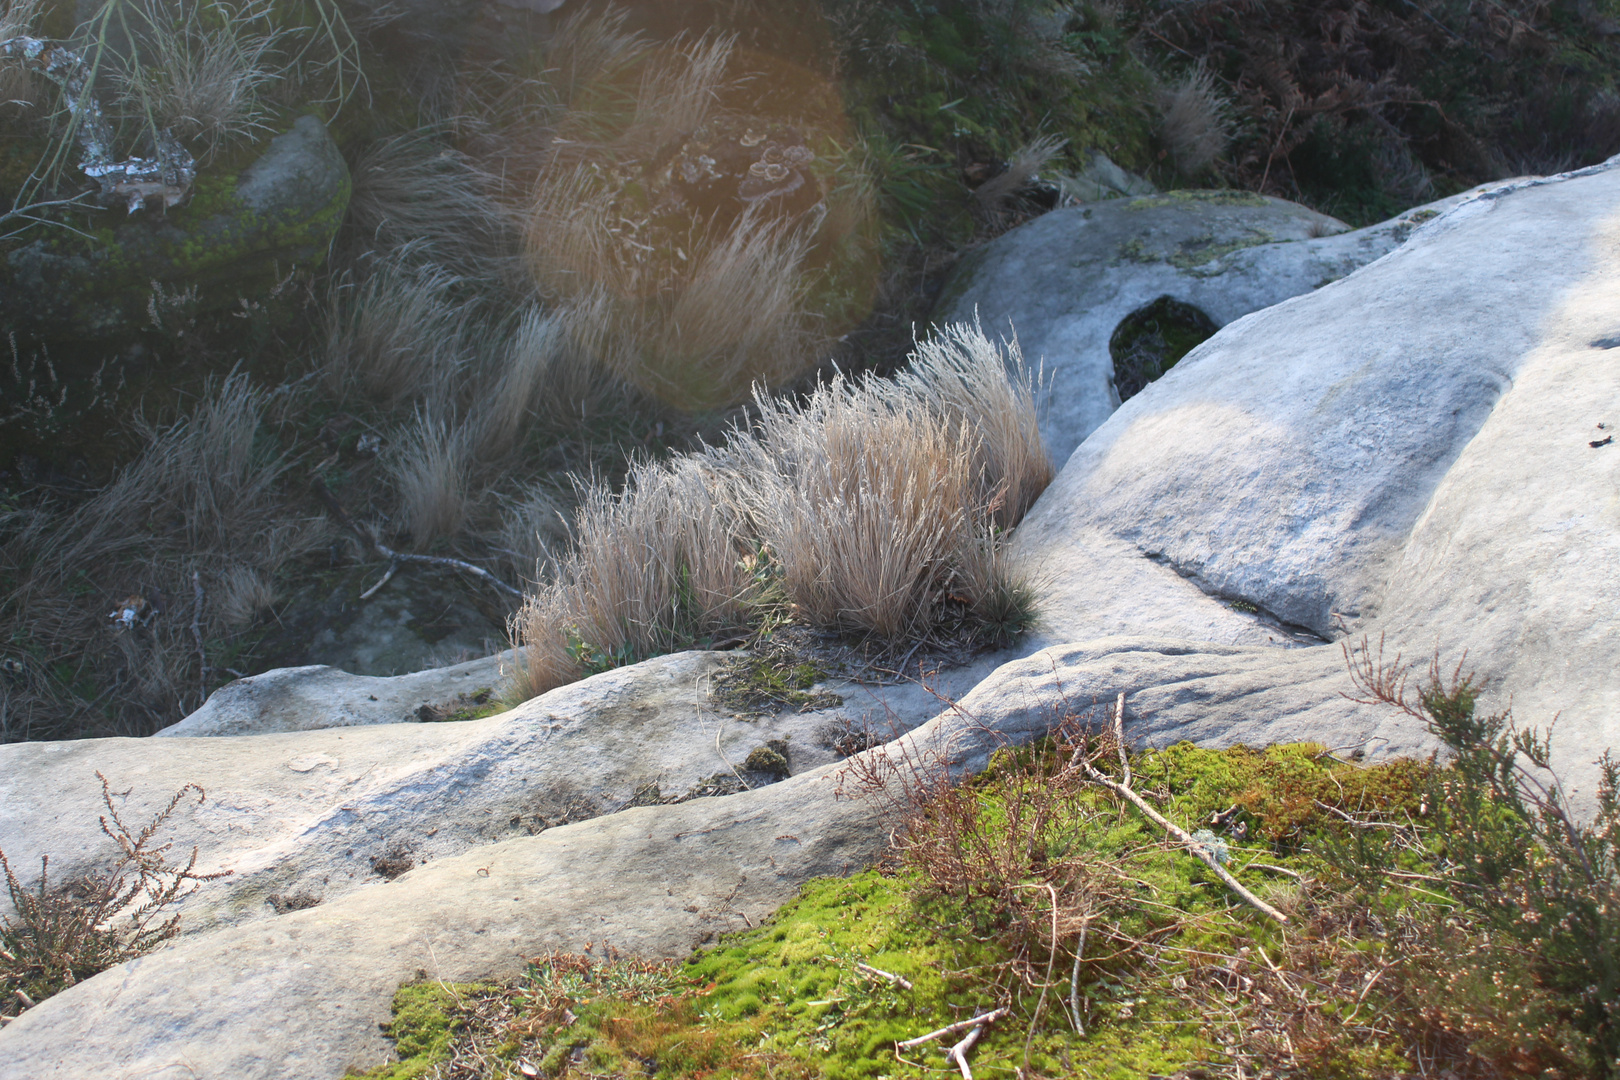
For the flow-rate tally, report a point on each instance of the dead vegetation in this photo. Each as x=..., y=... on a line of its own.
x=695, y=267
x=872, y=507
x=64, y=933
x=117, y=610
x=1195, y=127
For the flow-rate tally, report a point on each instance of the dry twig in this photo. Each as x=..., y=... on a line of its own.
x=868, y=969
x=1193, y=846
x=369, y=539
x=961, y=1025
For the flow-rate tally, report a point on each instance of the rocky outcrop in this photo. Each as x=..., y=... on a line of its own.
x=1067, y=281
x=236, y=235
x=318, y=696
x=1412, y=451
x=1407, y=452
x=298, y=814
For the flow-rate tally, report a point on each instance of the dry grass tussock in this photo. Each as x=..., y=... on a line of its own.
x=202, y=70
x=431, y=466
x=1024, y=166
x=180, y=548
x=871, y=507
x=397, y=330
x=1195, y=128
x=657, y=566
x=415, y=191
x=697, y=299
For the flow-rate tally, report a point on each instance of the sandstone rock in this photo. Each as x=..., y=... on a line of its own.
x=1403, y=452
x=317, y=696
x=1066, y=280
x=302, y=994
x=234, y=237
x=314, y=813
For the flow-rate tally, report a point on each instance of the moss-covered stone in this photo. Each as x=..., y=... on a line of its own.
x=239, y=235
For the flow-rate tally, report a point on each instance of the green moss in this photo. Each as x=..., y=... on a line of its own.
x=1192, y=255
x=216, y=249
x=768, y=680
x=1152, y=339
x=790, y=999
x=1185, y=197
x=422, y=1028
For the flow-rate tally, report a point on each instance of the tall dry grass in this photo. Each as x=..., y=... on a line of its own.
x=188, y=537
x=431, y=470
x=680, y=87
x=881, y=500
x=875, y=507
x=657, y=566
x=1195, y=127
x=694, y=306
x=416, y=192
x=397, y=330
x=1024, y=165
x=202, y=70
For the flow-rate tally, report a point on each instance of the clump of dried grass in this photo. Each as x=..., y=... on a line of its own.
x=876, y=507
x=692, y=307
x=532, y=530
x=543, y=371
x=415, y=191
x=396, y=330
x=1024, y=166
x=431, y=468
x=654, y=567
x=202, y=70
x=1194, y=128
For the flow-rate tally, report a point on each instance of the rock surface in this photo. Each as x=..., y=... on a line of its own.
x=301, y=813
x=318, y=696
x=236, y=236
x=1066, y=280
x=1404, y=452
x=303, y=994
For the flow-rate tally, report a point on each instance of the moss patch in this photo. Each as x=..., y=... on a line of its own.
x=1176, y=974
x=1187, y=197
x=770, y=679
x=1152, y=339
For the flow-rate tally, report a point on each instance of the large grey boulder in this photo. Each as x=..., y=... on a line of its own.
x=1405, y=452
x=236, y=237
x=1065, y=281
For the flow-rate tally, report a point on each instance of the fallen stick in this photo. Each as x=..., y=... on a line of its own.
x=950, y=1029
x=1193, y=846
x=899, y=981
x=369, y=539
x=1119, y=738
x=958, y=1053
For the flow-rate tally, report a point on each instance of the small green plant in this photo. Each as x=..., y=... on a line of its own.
x=62, y=935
